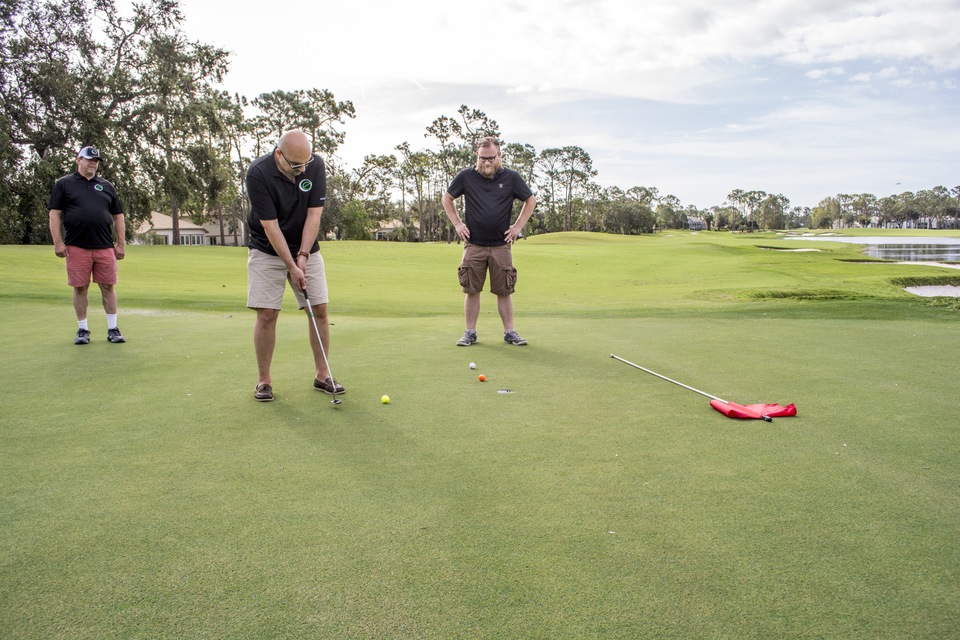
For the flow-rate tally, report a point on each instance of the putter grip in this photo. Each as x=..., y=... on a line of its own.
x=766, y=418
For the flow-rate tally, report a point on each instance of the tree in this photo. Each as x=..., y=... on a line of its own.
x=135, y=89
x=825, y=214
x=316, y=112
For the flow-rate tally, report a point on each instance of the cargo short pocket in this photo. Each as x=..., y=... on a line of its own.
x=463, y=275
x=508, y=282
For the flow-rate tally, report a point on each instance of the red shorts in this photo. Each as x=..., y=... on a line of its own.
x=82, y=264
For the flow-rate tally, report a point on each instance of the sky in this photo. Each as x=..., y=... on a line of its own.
x=696, y=98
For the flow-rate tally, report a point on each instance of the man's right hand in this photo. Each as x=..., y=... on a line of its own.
x=60, y=249
x=298, y=278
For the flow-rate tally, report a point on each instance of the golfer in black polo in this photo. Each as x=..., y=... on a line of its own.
x=287, y=189
x=489, y=191
x=85, y=214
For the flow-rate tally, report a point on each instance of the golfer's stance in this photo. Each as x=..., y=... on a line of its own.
x=287, y=189
x=489, y=191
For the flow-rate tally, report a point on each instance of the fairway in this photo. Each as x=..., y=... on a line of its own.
x=145, y=494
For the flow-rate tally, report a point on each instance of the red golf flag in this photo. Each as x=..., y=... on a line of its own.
x=753, y=411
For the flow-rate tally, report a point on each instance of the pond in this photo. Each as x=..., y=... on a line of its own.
x=906, y=249
x=903, y=249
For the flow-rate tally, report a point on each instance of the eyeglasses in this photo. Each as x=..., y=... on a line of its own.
x=296, y=167
x=488, y=158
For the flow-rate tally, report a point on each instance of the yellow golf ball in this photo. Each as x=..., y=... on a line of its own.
x=385, y=399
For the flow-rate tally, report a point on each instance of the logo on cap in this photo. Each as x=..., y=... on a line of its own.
x=90, y=153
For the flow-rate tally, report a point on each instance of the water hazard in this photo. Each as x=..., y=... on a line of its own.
x=902, y=249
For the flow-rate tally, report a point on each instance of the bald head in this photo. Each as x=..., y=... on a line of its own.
x=295, y=151
x=294, y=143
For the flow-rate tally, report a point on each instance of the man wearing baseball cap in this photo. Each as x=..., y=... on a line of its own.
x=85, y=213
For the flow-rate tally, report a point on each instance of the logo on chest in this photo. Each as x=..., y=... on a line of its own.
x=98, y=187
x=306, y=185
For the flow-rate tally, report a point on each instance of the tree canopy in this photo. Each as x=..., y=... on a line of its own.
x=78, y=72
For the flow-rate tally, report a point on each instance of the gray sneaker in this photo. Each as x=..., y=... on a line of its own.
x=469, y=337
x=511, y=337
x=114, y=335
x=83, y=337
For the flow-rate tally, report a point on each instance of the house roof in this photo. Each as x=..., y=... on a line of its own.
x=161, y=222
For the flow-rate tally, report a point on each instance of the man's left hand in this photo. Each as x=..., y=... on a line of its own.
x=512, y=233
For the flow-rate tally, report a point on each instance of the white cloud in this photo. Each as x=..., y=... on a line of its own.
x=805, y=98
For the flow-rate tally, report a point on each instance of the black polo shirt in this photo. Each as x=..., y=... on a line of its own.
x=274, y=197
x=488, y=202
x=88, y=208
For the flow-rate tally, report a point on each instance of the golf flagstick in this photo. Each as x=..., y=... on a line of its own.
x=747, y=412
x=313, y=319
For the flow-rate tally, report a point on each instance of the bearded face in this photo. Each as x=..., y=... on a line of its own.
x=488, y=161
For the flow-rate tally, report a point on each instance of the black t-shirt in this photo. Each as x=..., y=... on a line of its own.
x=274, y=197
x=488, y=202
x=88, y=208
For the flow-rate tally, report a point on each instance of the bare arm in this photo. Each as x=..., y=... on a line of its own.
x=272, y=229
x=451, y=210
x=56, y=222
x=514, y=231
x=311, y=229
x=120, y=227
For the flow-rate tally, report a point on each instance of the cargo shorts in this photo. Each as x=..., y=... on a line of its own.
x=477, y=260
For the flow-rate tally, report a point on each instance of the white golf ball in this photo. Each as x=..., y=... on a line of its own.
x=473, y=365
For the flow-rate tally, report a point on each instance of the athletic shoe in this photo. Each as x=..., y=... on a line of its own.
x=83, y=337
x=327, y=386
x=511, y=337
x=469, y=337
x=114, y=335
x=263, y=393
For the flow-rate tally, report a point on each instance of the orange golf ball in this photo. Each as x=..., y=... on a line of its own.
x=481, y=377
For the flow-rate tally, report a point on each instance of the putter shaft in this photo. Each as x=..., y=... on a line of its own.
x=316, y=329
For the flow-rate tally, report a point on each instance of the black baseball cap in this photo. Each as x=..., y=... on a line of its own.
x=90, y=153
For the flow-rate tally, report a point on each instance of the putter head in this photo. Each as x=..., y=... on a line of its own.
x=336, y=401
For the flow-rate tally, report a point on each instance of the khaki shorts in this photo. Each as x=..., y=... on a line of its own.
x=478, y=260
x=267, y=279
x=82, y=264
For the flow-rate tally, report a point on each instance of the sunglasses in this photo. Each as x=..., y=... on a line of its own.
x=296, y=167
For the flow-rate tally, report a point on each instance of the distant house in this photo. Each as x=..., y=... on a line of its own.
x=159, y=230
x=391, y=229
x=230, y=239
x=696, y=224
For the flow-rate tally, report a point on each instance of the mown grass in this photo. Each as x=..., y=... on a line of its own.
x=143, y=494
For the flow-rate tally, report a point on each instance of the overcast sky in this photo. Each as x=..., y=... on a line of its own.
x=808, y=98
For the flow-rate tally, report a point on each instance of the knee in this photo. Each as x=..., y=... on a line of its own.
x=267, y=316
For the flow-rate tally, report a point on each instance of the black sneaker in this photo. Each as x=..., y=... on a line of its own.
x=263, y=393
x=511, y=337
x=114, y=335
x=83, y=337
x=469, y=337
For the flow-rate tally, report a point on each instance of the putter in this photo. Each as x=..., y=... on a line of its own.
x=763, y=417
x=323, y=351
